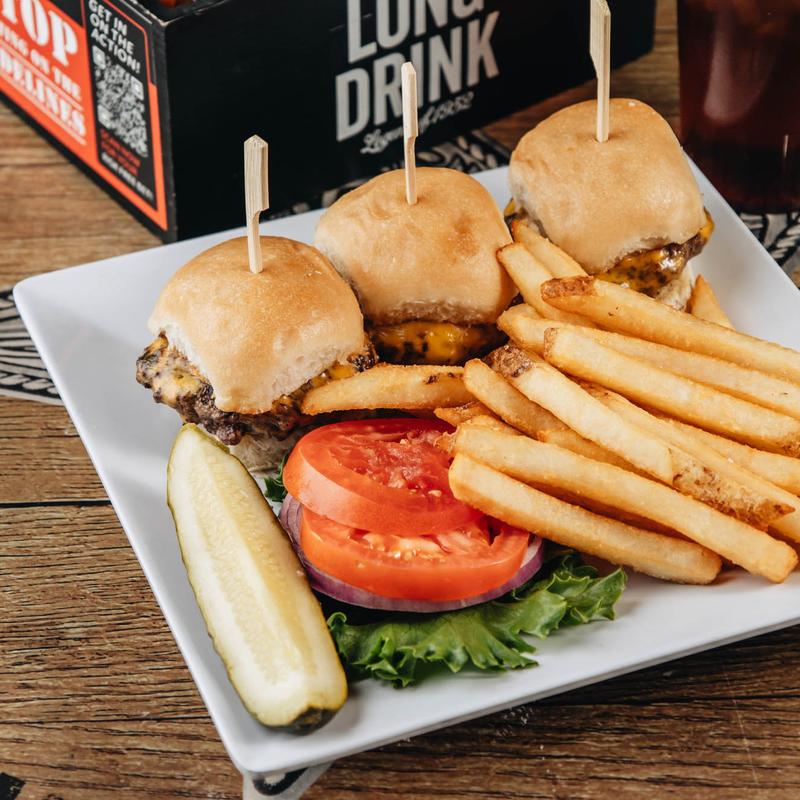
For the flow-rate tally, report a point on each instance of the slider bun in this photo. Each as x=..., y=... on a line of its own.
x=258, y=336
x=601, y=201
x=435, y=260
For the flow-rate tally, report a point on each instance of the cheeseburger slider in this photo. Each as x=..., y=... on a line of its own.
x=427, y=274
x=235, y=351
x=628, y=209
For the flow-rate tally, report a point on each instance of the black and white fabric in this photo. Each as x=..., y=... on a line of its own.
x=22, y=373
x=472, y=152
x=285, y=786
x=780, y=234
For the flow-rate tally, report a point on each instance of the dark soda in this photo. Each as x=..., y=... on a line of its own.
x=740, y=98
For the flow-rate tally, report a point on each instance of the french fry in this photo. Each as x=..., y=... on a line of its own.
x=531, y=461
x=783, y=471
x=626, y=311
x=528, y=417
x=747, y=384
x=688, y=474
x=545, y=426
x=446, y=441
x=570, y=440
x=526, y=326
x=390, y=386
x=680, y=397
x=528, y=273
x=788, y=525
x=455, y=415
x=703, y=303
x=505, y=401
x=523, y=506
x=490, y=422
x=729, y=488
x=547, y=387
x=558, y=263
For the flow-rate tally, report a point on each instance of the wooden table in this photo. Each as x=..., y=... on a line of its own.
x=96, y=702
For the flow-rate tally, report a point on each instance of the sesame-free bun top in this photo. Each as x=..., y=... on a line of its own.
x=600, y=201
x=434, y=261
x=258, y=336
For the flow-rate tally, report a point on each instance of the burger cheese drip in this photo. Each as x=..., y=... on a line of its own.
x=443, y=343
x=176, y=382
x=646, y=271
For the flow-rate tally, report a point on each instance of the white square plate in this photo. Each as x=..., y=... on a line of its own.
x=89, y=325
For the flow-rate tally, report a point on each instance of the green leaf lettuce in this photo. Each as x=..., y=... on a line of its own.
x=399, y=649
x=273, y=485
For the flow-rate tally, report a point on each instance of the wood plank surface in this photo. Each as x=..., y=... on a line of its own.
x=41, y=457
x=96, y=702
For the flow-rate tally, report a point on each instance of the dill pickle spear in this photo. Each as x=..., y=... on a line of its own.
x=265, y=623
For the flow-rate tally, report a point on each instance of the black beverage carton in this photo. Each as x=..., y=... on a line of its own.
x=155, y=102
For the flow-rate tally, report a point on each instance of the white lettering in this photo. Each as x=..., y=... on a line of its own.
x=463, y=8
x=9, y=10
x=35, y=21
x=46, y=96
x=65, y=42
x=438, y=11
x=348, y=123
x=8, y=34
x=442, y=63
x=386, y=89
x=38, y=60
x=418, y=60
x=479, y=49
x=355, y=49
x=454, y=57
x=387, y=38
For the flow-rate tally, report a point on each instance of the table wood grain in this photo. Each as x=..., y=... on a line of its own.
x=96, y=702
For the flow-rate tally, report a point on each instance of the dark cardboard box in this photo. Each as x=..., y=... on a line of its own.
x=155, y=103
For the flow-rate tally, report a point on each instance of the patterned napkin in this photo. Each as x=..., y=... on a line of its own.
x=22, y=373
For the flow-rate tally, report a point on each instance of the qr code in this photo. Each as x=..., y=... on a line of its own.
x=120, y=103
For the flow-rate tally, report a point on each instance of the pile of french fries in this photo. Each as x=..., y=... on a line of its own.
x=658, y=439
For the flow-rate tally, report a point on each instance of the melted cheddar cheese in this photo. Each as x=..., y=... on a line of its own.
x=172, y=376
x=646, y=271
x=334, y=373
x=650, y=270
x=168, y=373
x=431, y=342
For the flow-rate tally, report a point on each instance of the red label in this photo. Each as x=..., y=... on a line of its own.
x=88, y=83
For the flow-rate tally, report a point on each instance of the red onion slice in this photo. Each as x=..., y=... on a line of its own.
x=290, y=516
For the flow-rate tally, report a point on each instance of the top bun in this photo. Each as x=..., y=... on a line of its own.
x=258, y=336
x=600, y=201
x=434, y=261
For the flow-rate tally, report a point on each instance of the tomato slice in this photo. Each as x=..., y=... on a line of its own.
x=452, y=565
x=384, y=475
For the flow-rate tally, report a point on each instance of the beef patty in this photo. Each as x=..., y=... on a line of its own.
x=176, y=382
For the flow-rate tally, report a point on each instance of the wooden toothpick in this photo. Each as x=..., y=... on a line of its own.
x=409, y=86
x=600, y=50
x=256, y=195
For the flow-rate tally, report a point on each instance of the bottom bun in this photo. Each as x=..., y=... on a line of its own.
x=678, y=291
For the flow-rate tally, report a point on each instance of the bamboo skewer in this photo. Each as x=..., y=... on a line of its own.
x=600, y=51
x=256, y=195
x=410, y=129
